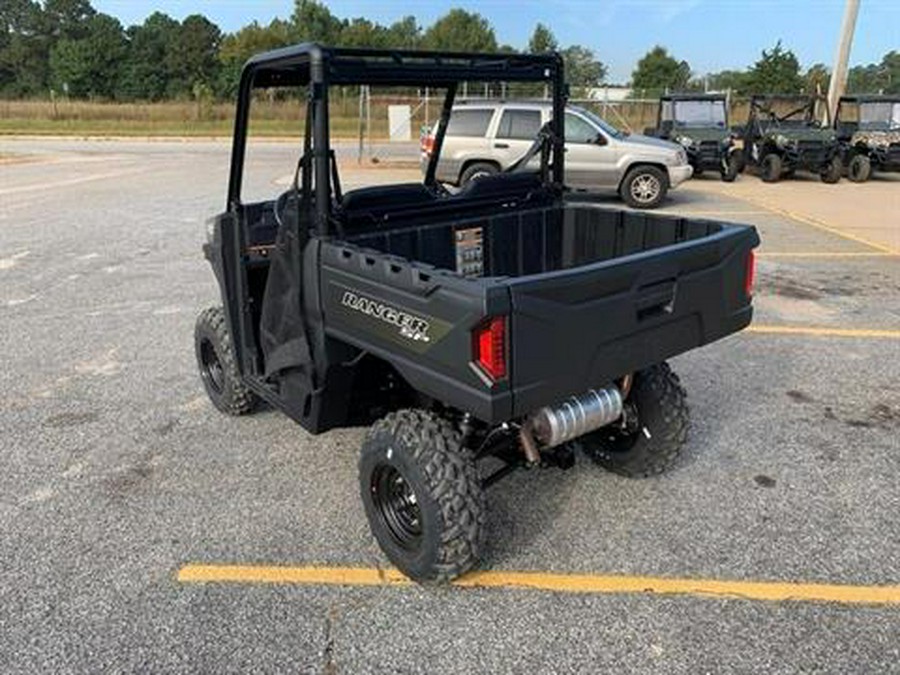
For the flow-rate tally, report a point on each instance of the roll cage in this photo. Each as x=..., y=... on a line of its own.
x=762, y=109
x=318, y=68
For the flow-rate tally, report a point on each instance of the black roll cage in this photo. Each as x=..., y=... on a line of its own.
x=762, y=103
x=319, y=68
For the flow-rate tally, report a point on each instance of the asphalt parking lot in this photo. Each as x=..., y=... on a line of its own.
x=118, y=475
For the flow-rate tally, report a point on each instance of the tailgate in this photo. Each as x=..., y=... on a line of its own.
x=580, y=328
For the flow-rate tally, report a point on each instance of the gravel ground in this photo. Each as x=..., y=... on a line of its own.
x=117, y=471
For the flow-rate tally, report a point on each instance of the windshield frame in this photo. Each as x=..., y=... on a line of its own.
x=601, y=124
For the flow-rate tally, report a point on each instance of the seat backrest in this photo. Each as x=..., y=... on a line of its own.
x=368, y=206
x=500, y=186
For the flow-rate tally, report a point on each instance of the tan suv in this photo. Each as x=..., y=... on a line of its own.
x=487, y=137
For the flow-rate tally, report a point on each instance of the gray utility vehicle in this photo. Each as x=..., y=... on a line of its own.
x=783, y=135
x=486, y=137
x=699, y=122
x=478, y=332
x=868, y=128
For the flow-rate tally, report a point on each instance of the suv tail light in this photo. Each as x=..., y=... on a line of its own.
x=427, y=145
x=489, y=347
x=750, y=277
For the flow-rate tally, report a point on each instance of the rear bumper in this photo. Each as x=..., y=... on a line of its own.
x=679, y=174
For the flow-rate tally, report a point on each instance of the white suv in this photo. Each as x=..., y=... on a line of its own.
x=487, y=137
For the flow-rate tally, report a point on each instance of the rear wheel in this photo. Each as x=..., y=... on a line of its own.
x=422, y=495
x=655, y=427
x=860, y=169
x=476, y=171
x=644, y=187
x=832, y=171
x=771, y=168
x=218, y=369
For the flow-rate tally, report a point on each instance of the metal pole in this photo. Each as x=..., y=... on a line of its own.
x=841, y=57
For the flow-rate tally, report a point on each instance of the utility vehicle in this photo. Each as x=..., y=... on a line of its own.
x=486, y=137
x=477, y=332
x=784, y=135
x=699, y=122
x=868, y=128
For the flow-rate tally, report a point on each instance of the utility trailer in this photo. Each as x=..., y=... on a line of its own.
x=503, y=326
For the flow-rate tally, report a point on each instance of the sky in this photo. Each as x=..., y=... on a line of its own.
x=711, y=35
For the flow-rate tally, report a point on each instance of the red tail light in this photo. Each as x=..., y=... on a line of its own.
x=427, y=145
x=751, y=274
x=489, y=347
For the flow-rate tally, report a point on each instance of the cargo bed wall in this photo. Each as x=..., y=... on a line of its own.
x=527, y=242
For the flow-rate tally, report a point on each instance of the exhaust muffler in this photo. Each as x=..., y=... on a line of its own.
x=575, y=417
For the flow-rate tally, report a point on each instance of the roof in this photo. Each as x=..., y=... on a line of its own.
x=871, y=98
x=687, y=96
x=302, y=63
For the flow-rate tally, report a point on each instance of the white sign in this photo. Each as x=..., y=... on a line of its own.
x=398, y=123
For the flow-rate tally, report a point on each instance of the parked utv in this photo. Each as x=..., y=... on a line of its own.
x=868, y=128
x=502, y=326
x=699, y=122
x=783, y=135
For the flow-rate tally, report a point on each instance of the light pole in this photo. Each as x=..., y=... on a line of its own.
x=841, y=58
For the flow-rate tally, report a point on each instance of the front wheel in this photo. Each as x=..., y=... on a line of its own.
x=771, y=169
x=218, y=368
x=644, y=187
x=832, y=171
x=654, y=429
x=731, y=168
x=422, y=495
x=859, y=169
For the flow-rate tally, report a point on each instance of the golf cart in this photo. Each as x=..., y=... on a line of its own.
x=868, y=128
x=699, y=122
x=503, y=326
x=784, y=135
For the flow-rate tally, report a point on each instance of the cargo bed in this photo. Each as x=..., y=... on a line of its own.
x=590, y=293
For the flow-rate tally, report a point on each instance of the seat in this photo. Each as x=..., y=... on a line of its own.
x=500, y=186
x=370, y=205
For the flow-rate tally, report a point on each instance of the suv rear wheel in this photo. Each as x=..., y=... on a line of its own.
x=644, y=187
x=476, y=171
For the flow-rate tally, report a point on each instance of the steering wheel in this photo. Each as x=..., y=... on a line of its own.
x=281, y=205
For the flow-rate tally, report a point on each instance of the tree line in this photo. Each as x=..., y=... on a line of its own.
x=67, y=48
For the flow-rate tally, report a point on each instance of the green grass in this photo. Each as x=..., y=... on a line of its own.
x=86, y=118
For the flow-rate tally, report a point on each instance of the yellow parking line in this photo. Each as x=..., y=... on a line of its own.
x=814, y=222
x=825, y=332
x=825, y=254
x=545, y=581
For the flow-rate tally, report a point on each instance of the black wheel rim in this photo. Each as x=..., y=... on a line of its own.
x=211, y=367
x=397, y=506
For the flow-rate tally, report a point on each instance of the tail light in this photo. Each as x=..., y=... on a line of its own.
x=489, y=347
x=427, y=145
x=750, y=277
